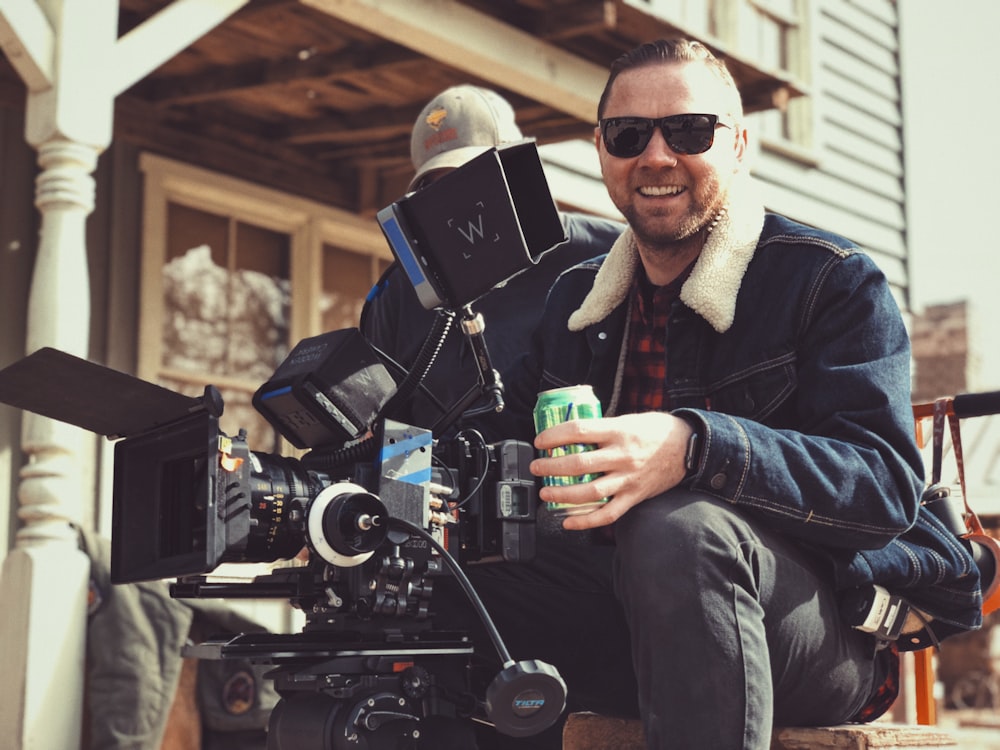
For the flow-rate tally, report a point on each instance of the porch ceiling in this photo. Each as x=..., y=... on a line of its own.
x=317, y=97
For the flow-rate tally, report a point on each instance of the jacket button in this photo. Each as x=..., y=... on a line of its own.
x=718, y=481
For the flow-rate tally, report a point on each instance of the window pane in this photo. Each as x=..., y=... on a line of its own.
x=226, y=296
x=262, y=250
x=195, y=290
x=188, y=228
x=259, y=303
x=770, y=124
x=347, y=277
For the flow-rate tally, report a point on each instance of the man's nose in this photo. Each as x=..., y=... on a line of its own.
x=657, y=149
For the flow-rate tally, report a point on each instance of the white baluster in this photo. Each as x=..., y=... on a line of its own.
x=44, y=580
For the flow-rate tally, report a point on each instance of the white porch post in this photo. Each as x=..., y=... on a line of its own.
x=42, y=645
x=68, y=54
x=44, y=578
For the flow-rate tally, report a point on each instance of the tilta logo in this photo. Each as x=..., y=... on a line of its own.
x=529, y=702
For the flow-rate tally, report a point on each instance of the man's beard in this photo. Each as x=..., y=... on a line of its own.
x=654, y=235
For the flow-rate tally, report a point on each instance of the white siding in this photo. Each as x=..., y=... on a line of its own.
x=851, y=181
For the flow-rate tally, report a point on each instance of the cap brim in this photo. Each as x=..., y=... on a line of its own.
x=451, y=159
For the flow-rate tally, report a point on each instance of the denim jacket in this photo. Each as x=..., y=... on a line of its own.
x=788, y=349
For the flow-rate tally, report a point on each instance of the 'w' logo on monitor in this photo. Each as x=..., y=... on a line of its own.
x=475, y=226
x=475, y=229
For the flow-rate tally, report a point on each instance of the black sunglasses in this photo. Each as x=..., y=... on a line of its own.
x=626, y=137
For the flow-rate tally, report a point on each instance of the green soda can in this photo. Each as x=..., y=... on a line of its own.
x=561, y=405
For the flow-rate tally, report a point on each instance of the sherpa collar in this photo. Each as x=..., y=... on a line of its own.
x=715, y=280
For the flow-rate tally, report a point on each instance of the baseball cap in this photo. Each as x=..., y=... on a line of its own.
x=457, y=125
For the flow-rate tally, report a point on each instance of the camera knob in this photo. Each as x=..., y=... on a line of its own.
x=346, y=523
x=415, y=682
x=525, y=698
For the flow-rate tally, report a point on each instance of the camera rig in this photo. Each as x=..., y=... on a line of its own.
x=368, y=517
x=380, y=519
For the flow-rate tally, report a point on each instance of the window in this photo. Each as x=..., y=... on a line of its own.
x=771, y=36
x=234, y=275
x=347, y=277
x=775, y=34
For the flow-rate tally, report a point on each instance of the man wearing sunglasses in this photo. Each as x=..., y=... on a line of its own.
x=757, y=450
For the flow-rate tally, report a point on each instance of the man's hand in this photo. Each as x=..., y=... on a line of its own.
x=639, y=455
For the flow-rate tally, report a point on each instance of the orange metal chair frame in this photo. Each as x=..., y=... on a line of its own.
x=968, y=405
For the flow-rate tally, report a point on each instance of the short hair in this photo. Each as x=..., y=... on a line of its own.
x=672, y=51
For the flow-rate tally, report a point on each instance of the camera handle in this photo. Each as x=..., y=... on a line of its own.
x=488, y=384
x=526, y=697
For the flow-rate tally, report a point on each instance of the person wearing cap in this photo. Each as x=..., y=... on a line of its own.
x=455, y=126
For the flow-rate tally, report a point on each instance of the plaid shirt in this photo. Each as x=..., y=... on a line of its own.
x=644, y=385
x=887, y=691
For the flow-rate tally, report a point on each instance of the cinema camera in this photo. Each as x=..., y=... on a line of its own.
x=381, y=507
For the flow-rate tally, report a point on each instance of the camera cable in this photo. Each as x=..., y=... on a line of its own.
x=526, y=697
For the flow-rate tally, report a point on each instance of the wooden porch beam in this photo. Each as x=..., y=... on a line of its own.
x=569, y=21
x=366, y=127
x=173, y=29
x=28, y=40
x=139, y=123
x=471, y=41
x=257, y=74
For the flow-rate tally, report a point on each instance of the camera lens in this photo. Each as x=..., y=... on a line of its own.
x=280, y=488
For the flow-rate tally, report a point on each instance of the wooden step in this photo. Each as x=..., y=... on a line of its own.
x=587, y=731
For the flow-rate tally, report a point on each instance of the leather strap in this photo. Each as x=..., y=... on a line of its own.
x=976, y=533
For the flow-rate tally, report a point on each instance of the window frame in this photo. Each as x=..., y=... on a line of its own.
x=309, y=225
x=721, y=29
x=799, y=113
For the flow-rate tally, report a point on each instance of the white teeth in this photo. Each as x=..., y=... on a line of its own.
x=661, y=190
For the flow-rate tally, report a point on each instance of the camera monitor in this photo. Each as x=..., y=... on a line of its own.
x=475, y=227
x=328, y=390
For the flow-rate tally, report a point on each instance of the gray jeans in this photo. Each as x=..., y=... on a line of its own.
x=698, y=619
x=732, y=628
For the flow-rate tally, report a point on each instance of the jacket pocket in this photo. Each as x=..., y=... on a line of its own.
x=756, y=391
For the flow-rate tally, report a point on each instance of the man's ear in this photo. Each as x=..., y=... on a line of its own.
x=742, y=144
x=597, y=138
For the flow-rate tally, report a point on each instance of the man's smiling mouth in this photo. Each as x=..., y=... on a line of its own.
x=659, y=190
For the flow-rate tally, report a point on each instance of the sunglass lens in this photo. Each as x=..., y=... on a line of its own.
x=626, y=137
x=690, y=134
